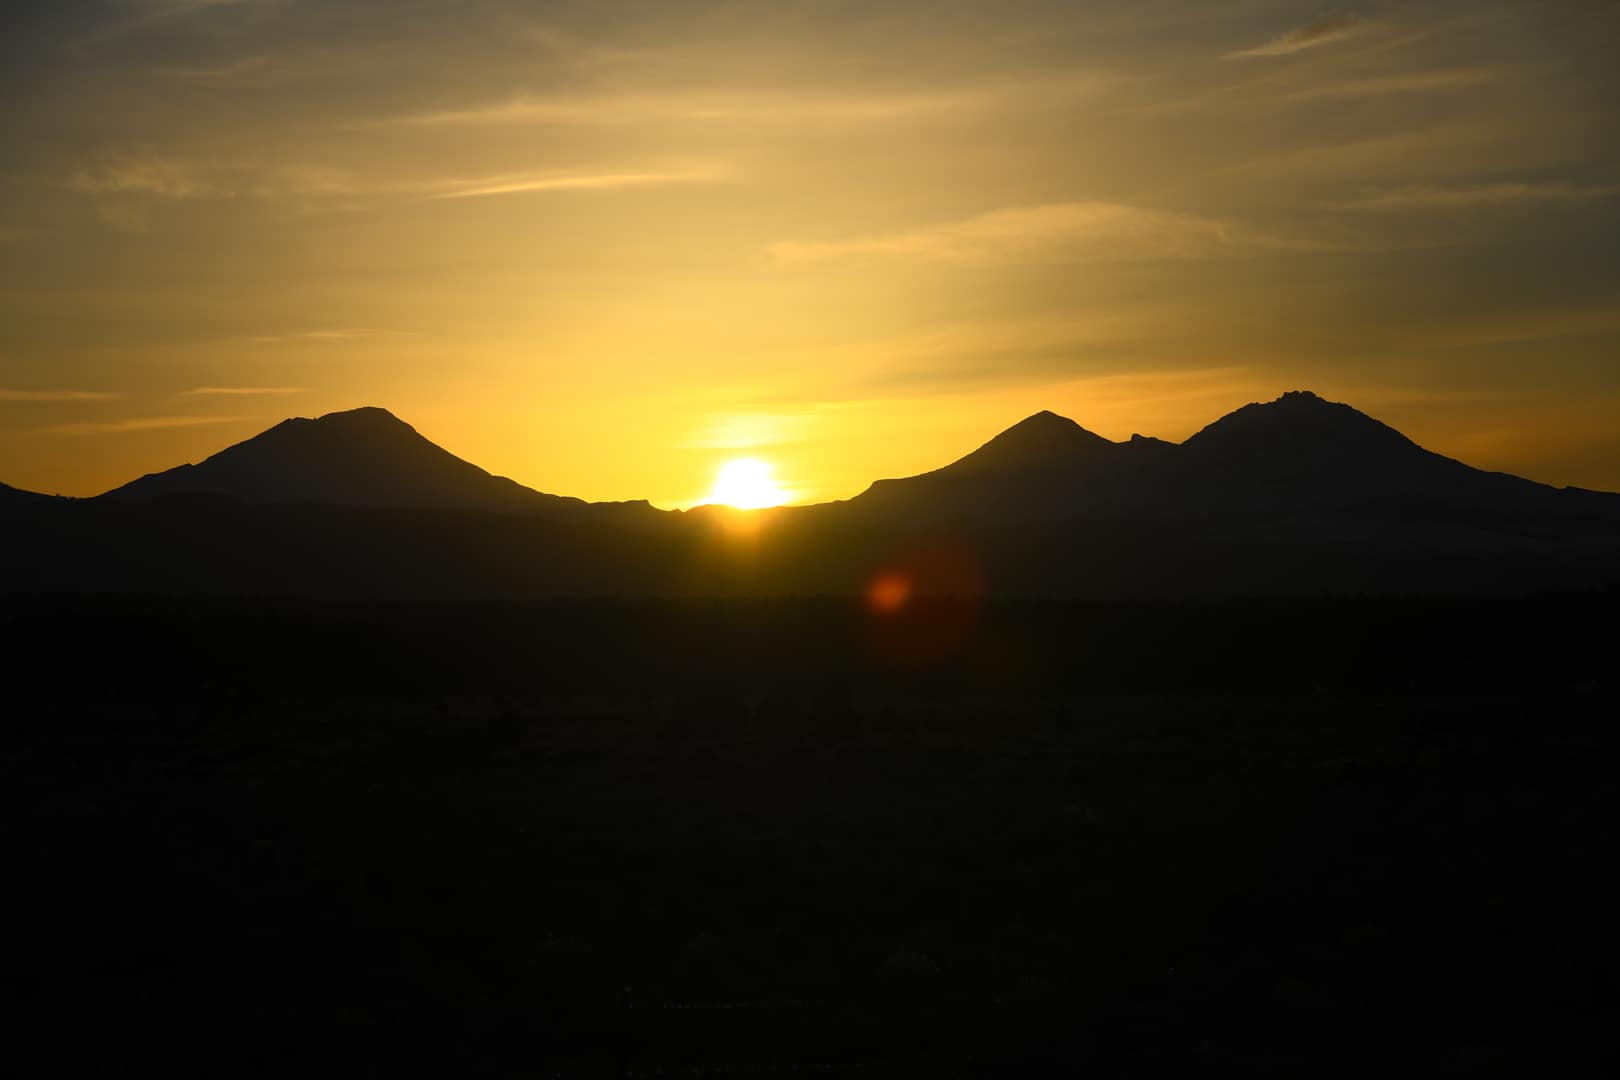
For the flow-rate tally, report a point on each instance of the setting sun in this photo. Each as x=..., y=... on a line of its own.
x=747, y=484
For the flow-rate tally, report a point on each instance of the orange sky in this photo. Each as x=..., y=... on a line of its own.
x=603, y=248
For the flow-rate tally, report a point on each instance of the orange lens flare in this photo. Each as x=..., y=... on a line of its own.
x=922, y=604
x=887, y=594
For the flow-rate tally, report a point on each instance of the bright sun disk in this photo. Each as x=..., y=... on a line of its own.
x=746, y=483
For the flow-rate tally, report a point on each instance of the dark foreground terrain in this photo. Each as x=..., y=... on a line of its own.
x=784, y=839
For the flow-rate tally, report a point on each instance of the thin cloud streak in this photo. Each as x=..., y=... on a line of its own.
x=1078, y=231
x=517, y=185
x=1294, y=90
x=981, y=354
x=358, y=333
x=150, y=12
x=1419, y=82
x=244, y=391
x=124, y=187
x=56, y=395
x=138, y=423
x=1426, y=196
x=1600, y=316
x=1319, y=31
x=1284, y=92
x=147, y=175
x=229, y=73
x=663, y=108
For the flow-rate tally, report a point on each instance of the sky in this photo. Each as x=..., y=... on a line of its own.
x=605, y=247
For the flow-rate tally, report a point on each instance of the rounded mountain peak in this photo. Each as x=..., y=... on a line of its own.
x=368, y=425
x=367, y=416
x=1300, y=422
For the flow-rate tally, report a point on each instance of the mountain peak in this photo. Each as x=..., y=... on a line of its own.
x=357, y=457
x=1297, y=421
x=1042, y=441
x=371, y=418
x=365, y=414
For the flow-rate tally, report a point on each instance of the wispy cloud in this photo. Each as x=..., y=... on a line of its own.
x=337, y=333
x=167, y=9
x=798, y=108
x=978, y=353
x=1455, y=146
x=138, y=423
x=1319, y=31
x=1068, y=231
x=56, y=395
x=227, y=73
x=154, y=175
x=519, y=184
x=147, y=174
x=245, y=391
x=1417, y=82
x=1308, y=87
x=126, y=188
x=1464, y=196
x=149, y=12
x=1599, y=316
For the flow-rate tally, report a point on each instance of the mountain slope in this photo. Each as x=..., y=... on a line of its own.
x=363, y=457
x=1297, y=455
x=10, y=494
x=1043, y=442
x=1041, y=464
x=1301, y=452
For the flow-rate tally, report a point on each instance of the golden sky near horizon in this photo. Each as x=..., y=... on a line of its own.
x=604, y=247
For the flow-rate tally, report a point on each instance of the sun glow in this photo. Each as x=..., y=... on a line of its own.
x=746, y=483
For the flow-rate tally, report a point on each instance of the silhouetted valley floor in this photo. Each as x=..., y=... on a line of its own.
x=758, y=839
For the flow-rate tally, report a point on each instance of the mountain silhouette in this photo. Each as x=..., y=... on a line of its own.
x=362, y=457
x=1301, y=451
x=16, y=495
x=1293, y=496
x=1043, y=466
x=1296, y=455
x=1045, y=441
